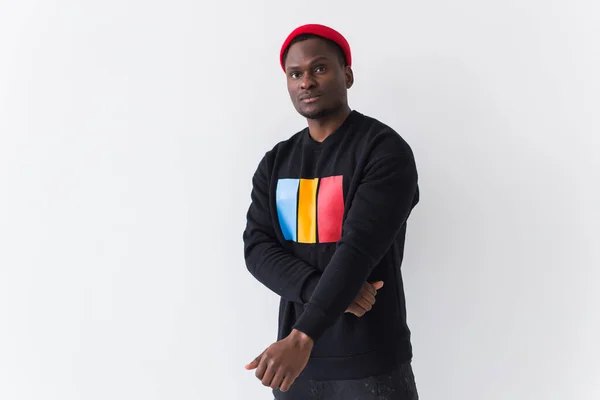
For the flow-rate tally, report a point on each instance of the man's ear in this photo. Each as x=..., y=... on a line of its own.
x=349, y=77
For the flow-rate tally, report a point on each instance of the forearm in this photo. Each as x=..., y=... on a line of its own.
x=280, y=271
x=266, y=259
x=379, y=210
x=336, y=290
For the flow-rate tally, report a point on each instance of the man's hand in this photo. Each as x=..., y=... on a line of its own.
x=365, y=299
x=281, y=363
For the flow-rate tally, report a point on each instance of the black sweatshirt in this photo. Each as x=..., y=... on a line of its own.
x=324, y=218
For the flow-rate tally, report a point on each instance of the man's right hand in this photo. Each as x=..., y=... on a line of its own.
x=365, y=299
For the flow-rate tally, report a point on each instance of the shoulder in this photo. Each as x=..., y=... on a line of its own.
x=284, y=146
x=280, y=148
x=381, y=140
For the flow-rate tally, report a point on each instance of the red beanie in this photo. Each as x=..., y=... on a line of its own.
x=318, y=30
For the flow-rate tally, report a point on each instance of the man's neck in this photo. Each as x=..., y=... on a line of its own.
x=321, y=129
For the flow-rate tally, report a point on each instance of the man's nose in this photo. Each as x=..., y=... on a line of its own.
x=307, y=82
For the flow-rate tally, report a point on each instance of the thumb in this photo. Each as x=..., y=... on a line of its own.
x=377, y=285
x=254, y=363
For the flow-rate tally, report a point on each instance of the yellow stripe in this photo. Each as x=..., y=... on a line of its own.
x=307, y=211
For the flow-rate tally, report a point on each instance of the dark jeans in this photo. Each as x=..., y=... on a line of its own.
x=398, y=384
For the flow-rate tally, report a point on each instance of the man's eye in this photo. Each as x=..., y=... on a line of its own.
x=294, y=75
x=320, y=69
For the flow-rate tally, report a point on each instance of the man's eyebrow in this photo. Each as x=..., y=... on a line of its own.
x=312, y=62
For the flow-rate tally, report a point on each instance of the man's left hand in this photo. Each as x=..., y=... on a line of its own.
x=281, y=363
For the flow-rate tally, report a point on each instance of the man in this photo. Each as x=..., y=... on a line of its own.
x=325, y=231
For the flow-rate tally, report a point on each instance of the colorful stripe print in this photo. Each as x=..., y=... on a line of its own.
x=311, y=210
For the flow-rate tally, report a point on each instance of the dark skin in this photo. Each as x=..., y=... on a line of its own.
x=281, y=363
x=365, y=299
x=314, y=69
x=317, y=82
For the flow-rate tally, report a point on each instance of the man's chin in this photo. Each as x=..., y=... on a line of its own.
x=313, y=114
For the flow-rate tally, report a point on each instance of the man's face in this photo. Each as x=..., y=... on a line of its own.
x=316, y=79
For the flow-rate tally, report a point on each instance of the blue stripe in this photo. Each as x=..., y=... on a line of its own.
x=287, y=207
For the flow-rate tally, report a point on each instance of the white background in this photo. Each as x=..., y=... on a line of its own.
x=129, y=132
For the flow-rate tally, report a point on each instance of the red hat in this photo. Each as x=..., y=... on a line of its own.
x=319, y=30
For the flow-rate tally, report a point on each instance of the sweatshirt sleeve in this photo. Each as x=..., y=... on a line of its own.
x=272, y=265
x=383, y=201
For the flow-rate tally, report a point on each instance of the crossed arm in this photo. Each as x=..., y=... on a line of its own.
x=272, y=265
x=282, y=272
x=381, y=205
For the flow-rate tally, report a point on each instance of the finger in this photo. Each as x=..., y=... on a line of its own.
x=377, y=285
x=288, y=381
x=277, y=380
x=364, y=304
x=368, y=297
x=356, y=310
x=368, y=287
x=269, y=374
x=254, y=363
x=262, y=368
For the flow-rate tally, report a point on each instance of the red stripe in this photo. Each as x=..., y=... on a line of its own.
x=330, y=209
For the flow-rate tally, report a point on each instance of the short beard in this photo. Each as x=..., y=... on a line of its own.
x=317, y=114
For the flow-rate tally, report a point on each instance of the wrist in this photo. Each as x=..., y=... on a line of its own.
x=301, y=338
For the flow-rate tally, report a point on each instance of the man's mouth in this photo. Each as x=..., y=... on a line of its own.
x=310, y=99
